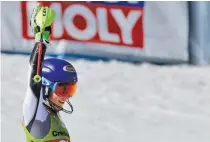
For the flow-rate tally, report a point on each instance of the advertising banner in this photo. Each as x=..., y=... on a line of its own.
x=125, y=30
x=116, y=23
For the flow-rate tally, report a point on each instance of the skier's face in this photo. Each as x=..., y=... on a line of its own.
x=59, y=101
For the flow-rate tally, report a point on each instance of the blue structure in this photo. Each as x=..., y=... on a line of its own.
x=199, y=32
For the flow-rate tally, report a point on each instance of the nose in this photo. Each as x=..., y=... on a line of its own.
x=63, y=99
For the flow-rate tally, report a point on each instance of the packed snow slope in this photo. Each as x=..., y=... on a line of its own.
x=119, y=102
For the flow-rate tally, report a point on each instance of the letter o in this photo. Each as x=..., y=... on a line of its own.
x=90, y=30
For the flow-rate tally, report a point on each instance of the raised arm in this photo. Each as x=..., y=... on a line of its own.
x=36, y=86
x=41, y=20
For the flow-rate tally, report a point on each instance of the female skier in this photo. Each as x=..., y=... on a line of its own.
x=51, y=83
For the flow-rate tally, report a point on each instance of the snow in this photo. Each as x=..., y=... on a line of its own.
x=119, y=102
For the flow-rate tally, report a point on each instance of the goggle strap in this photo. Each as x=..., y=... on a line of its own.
x=48, y=83
x=54, y=86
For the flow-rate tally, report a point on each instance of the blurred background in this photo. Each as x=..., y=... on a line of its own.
x=143, y=68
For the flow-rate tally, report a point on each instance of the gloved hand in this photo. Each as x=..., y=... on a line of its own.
x=41, y=21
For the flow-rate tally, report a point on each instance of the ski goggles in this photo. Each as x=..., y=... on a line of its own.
x=65, y=90
x=62, y=89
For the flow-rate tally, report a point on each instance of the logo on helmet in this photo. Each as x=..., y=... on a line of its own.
x=46, y=69
x=69, y=68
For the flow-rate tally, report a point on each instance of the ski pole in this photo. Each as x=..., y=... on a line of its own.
x=37, y=77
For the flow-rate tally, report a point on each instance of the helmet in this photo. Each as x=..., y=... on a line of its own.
x=60, y=77
x=58, y=70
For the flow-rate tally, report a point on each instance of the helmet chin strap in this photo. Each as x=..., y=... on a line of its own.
x=53, y=106
x=71, y=108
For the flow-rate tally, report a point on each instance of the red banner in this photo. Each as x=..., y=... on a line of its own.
x=93, y=22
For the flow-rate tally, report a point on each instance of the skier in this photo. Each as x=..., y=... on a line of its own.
x=52, y=82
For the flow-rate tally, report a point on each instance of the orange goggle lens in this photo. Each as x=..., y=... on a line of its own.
x=65, y=90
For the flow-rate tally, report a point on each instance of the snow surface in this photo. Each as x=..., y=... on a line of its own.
x=119, y=102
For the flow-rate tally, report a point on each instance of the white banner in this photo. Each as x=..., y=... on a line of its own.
x=125, y=30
